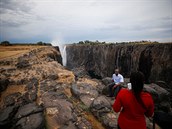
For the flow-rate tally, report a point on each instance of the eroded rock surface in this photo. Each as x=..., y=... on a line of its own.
x=37, y=92
x=24, y=80
x=154, y=60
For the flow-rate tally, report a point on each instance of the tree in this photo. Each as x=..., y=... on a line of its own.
x=5, y=43
x=40, y=43
x=81, y=42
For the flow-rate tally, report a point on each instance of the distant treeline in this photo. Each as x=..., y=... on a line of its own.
x=87, y=42
x=40, y=43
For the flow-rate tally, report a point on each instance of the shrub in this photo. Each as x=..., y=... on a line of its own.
x=5, y=43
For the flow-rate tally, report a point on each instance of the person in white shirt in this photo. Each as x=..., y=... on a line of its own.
x=115, y=86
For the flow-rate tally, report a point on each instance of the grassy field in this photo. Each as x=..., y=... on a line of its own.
x=10, y=51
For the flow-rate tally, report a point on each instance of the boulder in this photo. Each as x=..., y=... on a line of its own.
x=160, y=96
x=6, y=116
x=84, y=89
x=34, y=121
x=107, y=80
x=110, y=120
x=87, y=100
x=58, y=108
x=22, y=63
x=83, y=124
x=27, y=110
x=12, y=98
x=100, y=106
x=3, y=84
x=80, y=72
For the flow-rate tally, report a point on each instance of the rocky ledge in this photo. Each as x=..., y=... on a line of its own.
x=37, y=92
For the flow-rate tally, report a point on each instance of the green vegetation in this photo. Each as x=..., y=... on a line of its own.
x=87, y=42
x=5, y=43
x=43, y=44
x=40, y=43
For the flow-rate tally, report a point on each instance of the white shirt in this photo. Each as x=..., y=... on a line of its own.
x=117, y=79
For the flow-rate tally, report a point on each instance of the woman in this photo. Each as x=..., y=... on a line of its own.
x=134, y=104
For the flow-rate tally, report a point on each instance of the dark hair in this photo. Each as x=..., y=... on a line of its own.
x=137, y=82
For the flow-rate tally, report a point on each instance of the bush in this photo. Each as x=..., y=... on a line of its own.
x=5, y=43
x=43, y=44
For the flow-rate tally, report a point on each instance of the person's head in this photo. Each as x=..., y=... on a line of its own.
x=116, y=72
x=137, y=81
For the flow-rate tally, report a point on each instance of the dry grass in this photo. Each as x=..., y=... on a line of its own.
x=10, y=51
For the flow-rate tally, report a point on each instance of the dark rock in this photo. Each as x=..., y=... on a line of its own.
x=33, y=96
x=80, y=72
x=20, y=81
x=162, y=84
x=6, y=116
x=61, y=111
x=58, y=56
x=100, y=106
x=12, y=98
x=154, y=60
x=83, y=124
x=27, y=110
x=22, y=64
x=53, y=77
x=49, y=85
x=107, y=80
x=84, y=89
x=159, y=95
x=32, y=83
x=87, y=100
x=3, y=84
x=53, y=96
x=70, y=125
x=6, y=62
x=110, y=121
x=105, y=90
x=34, y=121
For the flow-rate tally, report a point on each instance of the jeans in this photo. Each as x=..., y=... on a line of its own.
x=111, y=90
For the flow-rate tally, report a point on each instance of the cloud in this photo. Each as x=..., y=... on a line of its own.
x=70, y=21
x=14, y=5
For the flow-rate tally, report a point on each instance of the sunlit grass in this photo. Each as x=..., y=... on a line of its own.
x=9, y=51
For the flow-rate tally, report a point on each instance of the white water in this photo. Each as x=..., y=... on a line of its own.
x=64, y=57
x=60, y=43
x=62, y=48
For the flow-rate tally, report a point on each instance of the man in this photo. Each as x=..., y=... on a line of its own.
x=115, y=86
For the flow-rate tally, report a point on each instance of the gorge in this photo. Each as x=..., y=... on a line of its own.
x=37, y=92
x=154, y=60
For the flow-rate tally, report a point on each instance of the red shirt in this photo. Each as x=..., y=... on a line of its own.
x=132, y=115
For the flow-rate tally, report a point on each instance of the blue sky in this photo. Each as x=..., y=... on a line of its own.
x=69, y=21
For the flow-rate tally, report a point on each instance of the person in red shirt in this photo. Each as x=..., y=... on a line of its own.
x=134, y=104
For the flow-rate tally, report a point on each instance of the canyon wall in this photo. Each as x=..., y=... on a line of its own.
x=154, y=60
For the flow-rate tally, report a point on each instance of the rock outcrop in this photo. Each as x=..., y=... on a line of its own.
x=154, y=60
x=37, y=92
x=24, y=81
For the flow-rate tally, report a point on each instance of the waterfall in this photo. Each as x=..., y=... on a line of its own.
x=62, y=48
x=64, y=59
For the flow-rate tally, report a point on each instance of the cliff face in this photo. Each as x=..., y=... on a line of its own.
x=24, y=80
x=37, y=92
x=154, y=60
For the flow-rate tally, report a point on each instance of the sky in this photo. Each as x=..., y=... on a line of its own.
x=71, y=21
